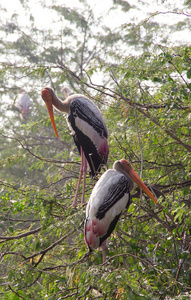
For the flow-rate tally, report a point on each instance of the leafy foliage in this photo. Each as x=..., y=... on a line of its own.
x=145, y=101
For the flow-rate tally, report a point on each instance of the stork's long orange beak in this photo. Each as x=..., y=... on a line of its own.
x=140, y=183
x=47, y=97
x=137, y=180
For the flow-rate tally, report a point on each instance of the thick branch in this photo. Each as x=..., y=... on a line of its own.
x=17, y=237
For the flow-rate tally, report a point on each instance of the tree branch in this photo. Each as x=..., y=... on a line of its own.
x=140, y=145
x=17, y=237
x=43, y=252
x=15, y=292
x=154, y=120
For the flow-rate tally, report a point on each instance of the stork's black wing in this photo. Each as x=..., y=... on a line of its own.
x=115, y=193
x=83, y=112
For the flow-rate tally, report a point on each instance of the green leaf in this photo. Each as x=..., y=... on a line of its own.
x=188, y=73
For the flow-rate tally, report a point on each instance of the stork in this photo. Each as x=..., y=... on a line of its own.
x=87, y=128
x=23, y=104
x=109, y=198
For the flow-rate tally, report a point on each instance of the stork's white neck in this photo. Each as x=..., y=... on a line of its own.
x=63, y=106
x=118, y=166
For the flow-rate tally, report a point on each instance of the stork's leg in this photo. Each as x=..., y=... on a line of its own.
x=82, y=168
x=84, y=176
x=104, y=250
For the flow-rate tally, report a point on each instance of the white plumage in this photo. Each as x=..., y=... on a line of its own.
x=23, y=103
x=97, y=198
x=109, y=198
x=87, y=128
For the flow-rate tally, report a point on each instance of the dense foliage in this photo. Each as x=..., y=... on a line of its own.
x=145, y=100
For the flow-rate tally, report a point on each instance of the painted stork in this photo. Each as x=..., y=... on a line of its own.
x=87, y=128
x=110, y=196
x=23, y=103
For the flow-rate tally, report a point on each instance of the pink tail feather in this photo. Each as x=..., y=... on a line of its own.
x=92, y=232
x=104, y=149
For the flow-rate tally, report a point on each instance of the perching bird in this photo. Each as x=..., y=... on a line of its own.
x=87, y=128
x=23, y=103
x=109, y=198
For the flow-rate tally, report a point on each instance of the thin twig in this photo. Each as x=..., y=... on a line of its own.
x=140, y=145
x=16, y=293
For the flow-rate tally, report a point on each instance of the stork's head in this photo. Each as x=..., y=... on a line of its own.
x=66, y=91
x=47, y=95
x=125, y=165
x=22, y=91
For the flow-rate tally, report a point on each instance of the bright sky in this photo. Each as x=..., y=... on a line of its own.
x=43, y=17
x=46, y=18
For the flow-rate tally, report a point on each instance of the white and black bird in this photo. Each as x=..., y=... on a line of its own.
x=87, y=128
x=109, y=198
x=23, y=104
